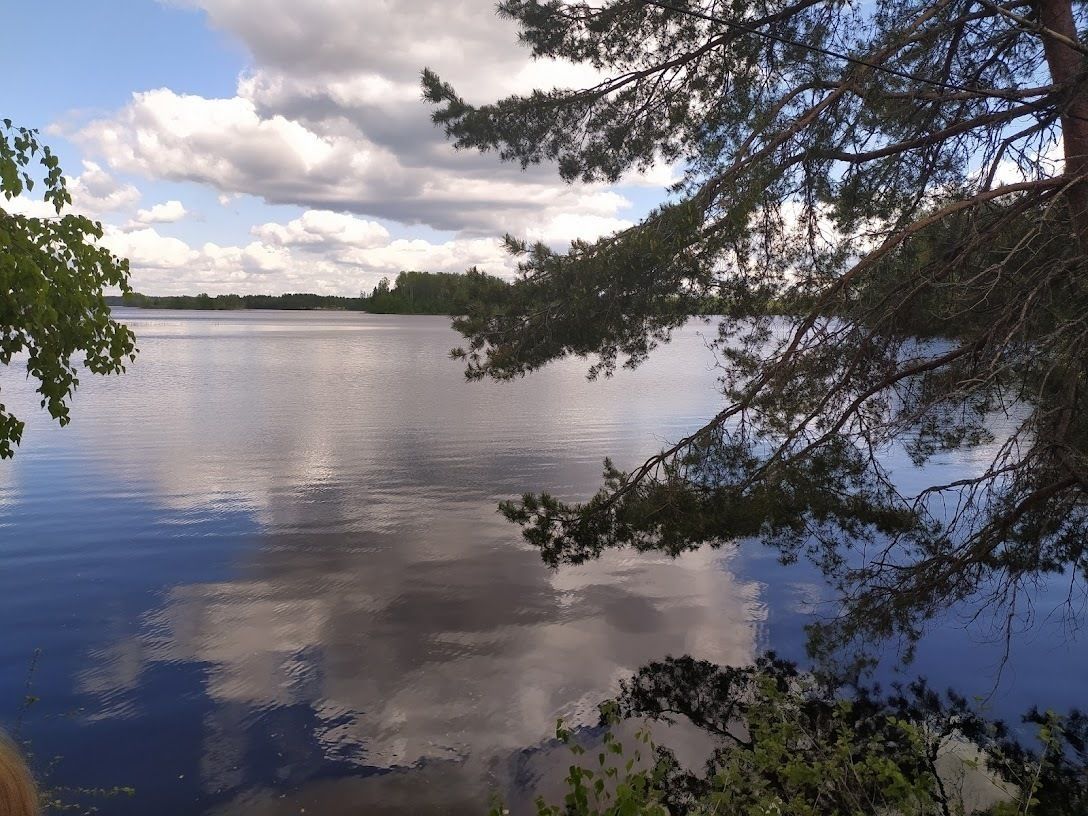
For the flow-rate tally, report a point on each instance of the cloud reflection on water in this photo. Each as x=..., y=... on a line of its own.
x=380, y=605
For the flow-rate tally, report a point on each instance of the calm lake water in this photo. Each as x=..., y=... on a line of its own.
x=263, y=571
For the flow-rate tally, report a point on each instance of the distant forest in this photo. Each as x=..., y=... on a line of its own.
x=440, y=293
x=233, y=302
x=432, y=292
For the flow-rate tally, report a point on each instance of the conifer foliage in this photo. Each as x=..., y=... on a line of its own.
x=911, y=179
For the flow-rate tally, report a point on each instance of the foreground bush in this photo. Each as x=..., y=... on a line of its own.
x=795, y=744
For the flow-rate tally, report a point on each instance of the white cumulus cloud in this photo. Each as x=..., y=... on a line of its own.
x=321, y=251
x=95, y=194
x=322, y=229
x=165, y=213
x=328, y=117
x=231, y=145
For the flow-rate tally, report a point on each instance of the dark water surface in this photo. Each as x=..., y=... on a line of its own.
x=264, y=570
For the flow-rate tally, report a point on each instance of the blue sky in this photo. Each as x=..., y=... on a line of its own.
x=281, y=145
x=99, y=52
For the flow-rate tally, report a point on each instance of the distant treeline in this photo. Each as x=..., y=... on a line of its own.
x=231, y=302
x=432, y=292
x=411, y=293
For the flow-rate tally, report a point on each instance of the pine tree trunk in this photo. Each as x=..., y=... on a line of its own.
x=1066, y=69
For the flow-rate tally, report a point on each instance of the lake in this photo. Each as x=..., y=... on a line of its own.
x=263, y=570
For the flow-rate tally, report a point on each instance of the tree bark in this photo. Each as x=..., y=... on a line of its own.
x=1067, y=71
